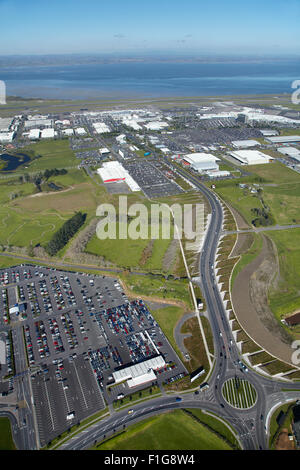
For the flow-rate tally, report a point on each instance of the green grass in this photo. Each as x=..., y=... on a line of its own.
x=158, y=287
x=6, y=440
x=285, y=297
x=283, y=199
x=167, y=318
x=168, y=431
x=55, y=154
x=247, y=257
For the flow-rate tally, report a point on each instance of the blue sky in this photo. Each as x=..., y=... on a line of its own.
x=131, y=26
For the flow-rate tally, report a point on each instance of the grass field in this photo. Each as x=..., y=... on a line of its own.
x=281, y=192
x=158, y=288
x=168, y=431
x=54, y=153
x=285, y=297
x=6, y=440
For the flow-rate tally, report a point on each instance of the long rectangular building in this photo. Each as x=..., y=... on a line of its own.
x=282, y=139
x=140, y=373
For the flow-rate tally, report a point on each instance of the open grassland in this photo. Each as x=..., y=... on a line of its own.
x=284, y=297
x=169, y=290
x=6, y=440
x=167, y=318
x=169, y=431
x=53, y=153
x=280, y=192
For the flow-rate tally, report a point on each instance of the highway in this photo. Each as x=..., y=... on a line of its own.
x=249, y=424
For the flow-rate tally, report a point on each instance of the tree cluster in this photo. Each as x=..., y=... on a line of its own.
x=65, y=233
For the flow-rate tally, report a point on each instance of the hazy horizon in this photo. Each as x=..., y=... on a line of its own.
x=171, y=27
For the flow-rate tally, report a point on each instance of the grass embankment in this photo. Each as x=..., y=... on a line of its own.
x=175, y=430
x=6, y=440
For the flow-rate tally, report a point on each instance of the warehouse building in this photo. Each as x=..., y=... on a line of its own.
x=251, y=157
x=284, y=139
x=290, y=152
x=6, y=136
x=245, y=143
x=141, y=373
x=34, y=134
x=5, y=124
x=201, y=162
x=48, y=133
x=101, y=127
x=114, y=172
x=34, y=123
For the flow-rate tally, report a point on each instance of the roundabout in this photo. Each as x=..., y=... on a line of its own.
x=239, y=393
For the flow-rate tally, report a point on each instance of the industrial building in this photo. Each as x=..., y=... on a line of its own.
x=141, y=373
x=34, y=134
x=290, y=152
x=113, y=172
x=5, y=124
x=201, y=162
x=268, y=132
x=34, y=123
x=48, y=133
x=156, y=125
x=245, y=143
x=6, y=136
x=101, y=127
x=251, y=157
x=284, y=139
x=80, y=131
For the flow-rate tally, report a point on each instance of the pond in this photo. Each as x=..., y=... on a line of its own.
x=12, y=162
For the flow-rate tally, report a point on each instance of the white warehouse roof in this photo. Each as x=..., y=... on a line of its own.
x=251, y=157
x=200, y=157
x=139, y=373
x=101, y=127
x=245, y=143
x=47, y=133
x=290, y=151
x=284, y=138
x=112, y=172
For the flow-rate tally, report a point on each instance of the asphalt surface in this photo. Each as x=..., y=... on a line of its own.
x=249, y=424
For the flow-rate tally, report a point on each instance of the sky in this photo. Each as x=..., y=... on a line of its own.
x=150, y=26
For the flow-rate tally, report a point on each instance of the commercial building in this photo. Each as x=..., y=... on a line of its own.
x=68, y=132
x=6, y=136
x=34, y=134
x=140, y=373
x=101, y=127
x=290, y=152
x=251, y=157
x=245, y=143
x=268, y=132
x=113, y=172
x=80, y=131
x=156, y=125
x=48, y=133
x=201, y=161
x=284, y=139
x=5, y=124
x=34, y=123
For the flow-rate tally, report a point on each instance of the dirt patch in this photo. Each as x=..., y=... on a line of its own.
x=283, y=441
x=170, y=255
x=146, y=254
x=259, y=284
x=244, y=242
x=250, y=302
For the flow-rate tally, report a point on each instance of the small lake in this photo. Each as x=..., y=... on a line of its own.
x=13, y=161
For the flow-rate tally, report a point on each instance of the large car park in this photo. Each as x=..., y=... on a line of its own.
x=78, y=329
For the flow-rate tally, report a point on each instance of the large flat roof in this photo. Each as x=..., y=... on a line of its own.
x=284, y=138
x=251, y=157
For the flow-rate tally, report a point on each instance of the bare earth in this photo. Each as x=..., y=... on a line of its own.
x=249, y=299
x=283, y=442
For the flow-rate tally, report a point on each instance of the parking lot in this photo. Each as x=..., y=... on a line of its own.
x=78, y=329
x=151, y=180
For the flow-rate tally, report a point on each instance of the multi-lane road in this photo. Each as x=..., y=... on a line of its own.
x=250, y=425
